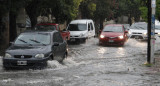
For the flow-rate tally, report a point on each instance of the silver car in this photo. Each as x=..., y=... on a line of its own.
x=138, y=31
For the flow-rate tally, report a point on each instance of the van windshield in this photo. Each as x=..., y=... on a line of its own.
x=77, y=27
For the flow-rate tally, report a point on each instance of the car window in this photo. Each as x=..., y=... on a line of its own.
x=91, y=26
x=77, y=27
x=139, y=26
x=34, y=38
x=57, y=38
x=113, y=29
x=157, y=27
x=45, y=27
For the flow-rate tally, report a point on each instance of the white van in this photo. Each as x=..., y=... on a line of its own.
x=81, y=29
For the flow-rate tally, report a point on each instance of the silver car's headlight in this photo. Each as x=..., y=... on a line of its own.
x=39, y=56
x=158, y=33
x=145, y=33
x=7, y=55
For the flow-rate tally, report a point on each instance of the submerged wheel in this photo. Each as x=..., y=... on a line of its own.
x=63, y=57
x=6, y=68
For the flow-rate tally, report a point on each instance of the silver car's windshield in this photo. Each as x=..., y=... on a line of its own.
x=139, y=26
x=33, y=39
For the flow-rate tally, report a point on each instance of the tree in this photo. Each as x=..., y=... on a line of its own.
x=14, y=6
x=129, y=8
x=33, y=9
x=103, y=11
x=158, y=9
x=62, y=10
x=87, y=9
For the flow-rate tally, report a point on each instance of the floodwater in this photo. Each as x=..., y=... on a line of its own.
x=89, y=64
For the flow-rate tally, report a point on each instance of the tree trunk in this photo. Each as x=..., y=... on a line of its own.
x=31, y=10
x=101, y=24
x=4, y=36
x=12, y=27
x=129, y=20
x=33, y=20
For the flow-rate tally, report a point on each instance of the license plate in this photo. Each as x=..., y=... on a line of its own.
x=136, y=37
x=111, y=40
x=21, y=62
x=73, y=39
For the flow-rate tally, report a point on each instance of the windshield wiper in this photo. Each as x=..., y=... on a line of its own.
x=37, y=42
x=142, y=28
x=24, y=41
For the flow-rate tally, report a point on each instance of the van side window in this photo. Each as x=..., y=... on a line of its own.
x=91, y=26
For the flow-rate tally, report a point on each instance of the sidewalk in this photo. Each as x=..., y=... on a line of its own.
x=157, y=64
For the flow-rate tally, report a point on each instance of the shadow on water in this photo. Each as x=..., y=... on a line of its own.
x=139, y=40
x=73, y=43
x=111, y=45
x=25, y=68
x=77, y=42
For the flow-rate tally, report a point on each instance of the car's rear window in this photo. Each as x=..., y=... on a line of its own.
x=45, y=27
x=113, y=29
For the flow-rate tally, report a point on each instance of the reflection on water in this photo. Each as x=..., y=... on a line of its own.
x=120, y=52
x=101, y=50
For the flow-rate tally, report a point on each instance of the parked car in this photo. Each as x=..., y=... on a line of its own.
x=157, y=28
x=138, y=31
x=113, y=34
x=81, y=29
x=34, y=49
x=53, y=26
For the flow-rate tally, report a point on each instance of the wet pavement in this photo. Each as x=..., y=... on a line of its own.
x=89, y=64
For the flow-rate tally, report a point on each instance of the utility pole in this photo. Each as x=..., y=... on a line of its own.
x=151, y=30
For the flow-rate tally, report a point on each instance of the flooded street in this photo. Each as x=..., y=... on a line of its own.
x=89, y=64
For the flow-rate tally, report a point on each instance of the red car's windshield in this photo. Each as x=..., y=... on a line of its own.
x=113, y=29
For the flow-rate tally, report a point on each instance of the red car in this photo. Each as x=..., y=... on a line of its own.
x=113, y=34
x=53, y=26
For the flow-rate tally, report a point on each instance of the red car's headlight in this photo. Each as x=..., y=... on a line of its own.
x=101, y=36
x=121, y=37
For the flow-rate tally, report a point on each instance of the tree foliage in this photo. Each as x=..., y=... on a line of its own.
x=62, y=10
x=129, y=8
x=87, y=9
x=158, y=9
